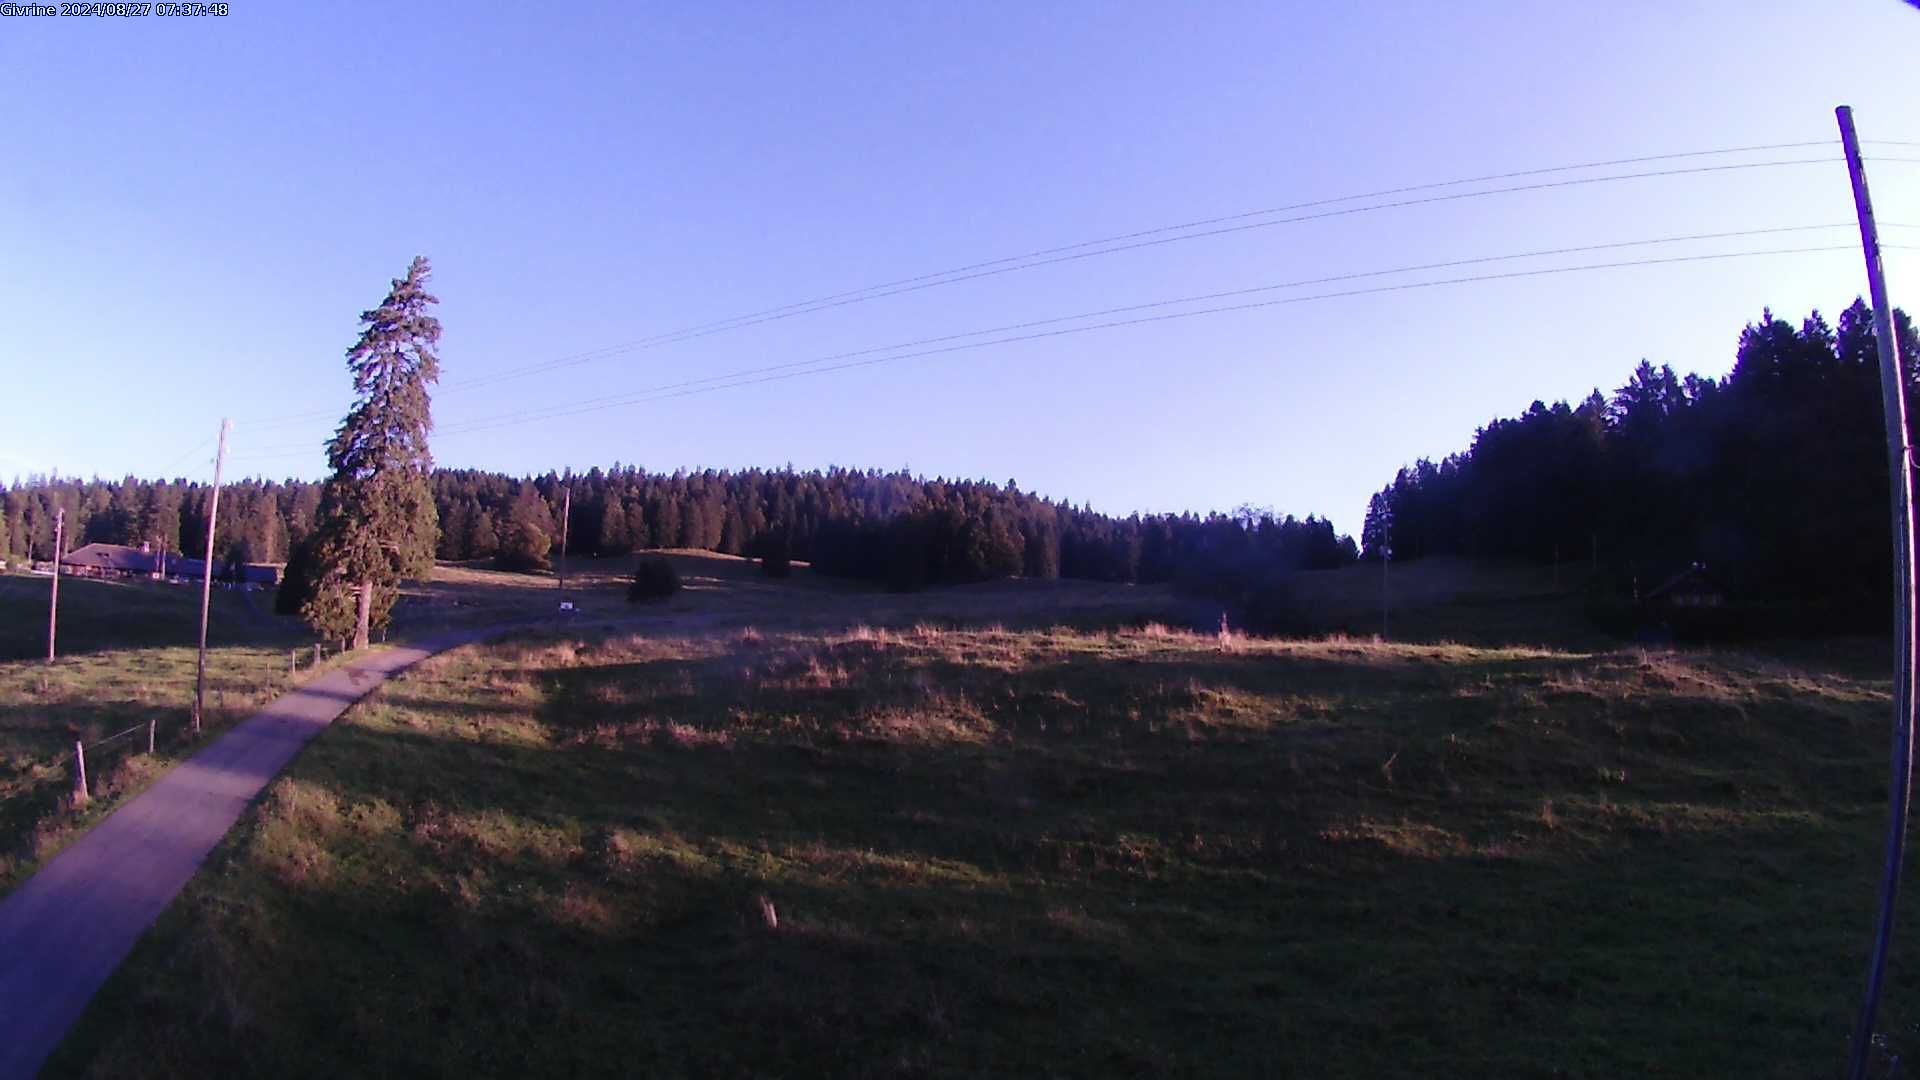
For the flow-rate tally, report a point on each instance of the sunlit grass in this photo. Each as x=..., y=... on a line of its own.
x=126, y=657
x=890, y=840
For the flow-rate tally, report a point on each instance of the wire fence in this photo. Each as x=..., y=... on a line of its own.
x=151, y=726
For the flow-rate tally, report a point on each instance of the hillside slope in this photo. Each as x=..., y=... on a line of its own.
x=731, y=845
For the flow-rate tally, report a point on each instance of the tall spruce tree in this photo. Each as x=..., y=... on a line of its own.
x=376, y=523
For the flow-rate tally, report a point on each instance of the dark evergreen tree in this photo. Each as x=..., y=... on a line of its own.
x=296, y=582
x=776, y=556
x=377, y=523
x=527, y=540
x=654, y=578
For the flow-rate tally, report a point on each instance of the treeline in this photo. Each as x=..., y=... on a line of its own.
x=1774, y=477
x=894, y=527
x=259, y=520
x=890, y=527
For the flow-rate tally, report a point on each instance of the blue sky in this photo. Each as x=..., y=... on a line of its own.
x=193, y=213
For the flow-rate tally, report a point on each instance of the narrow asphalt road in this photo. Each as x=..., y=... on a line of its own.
x=65, y=929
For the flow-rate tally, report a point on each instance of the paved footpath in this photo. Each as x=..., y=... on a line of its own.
x=64, y=930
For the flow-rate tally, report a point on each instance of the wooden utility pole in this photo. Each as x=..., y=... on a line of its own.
x=566, y=516
x=206, y=580
x=1893, y=404
x=53, y=604
x=1386, y=556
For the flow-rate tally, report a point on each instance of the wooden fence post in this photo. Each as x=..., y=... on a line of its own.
x=79, y=774
x=151, y=723
x=293, y=662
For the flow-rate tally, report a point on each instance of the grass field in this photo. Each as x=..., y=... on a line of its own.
x=797, y=830
x=126, y=653
x=126, y=656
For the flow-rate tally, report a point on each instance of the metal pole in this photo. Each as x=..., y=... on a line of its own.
x=1899, y=464
x=53, y=604
x=206, y=581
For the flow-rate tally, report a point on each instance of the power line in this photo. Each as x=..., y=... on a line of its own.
x=1201, y=298
x=684, y=390
x=1130, y=246
x=272, y=451
x=189, y=453
x=1067, y=252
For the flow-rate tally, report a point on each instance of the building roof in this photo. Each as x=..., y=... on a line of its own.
x=181, y=566
x=132, y=560
x=1693, y=579
x=110, y=557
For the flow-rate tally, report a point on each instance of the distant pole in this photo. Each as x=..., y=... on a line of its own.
x=1386, y=556
x=53, y=604
x=566, y=517
x=1899, y=465
x=206, y=580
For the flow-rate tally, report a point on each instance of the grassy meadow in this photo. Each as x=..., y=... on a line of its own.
x=126, y=657
x=1019, y=829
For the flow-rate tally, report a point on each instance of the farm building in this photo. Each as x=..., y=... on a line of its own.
x=109, y=561
x=1689, y=590
x=1693, y=605
x=121, y=561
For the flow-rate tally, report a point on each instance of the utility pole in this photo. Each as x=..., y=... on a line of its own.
x=1386, y=556
x=1899, y=467
x=566, y=517
x=53, y=604
x=206, y=580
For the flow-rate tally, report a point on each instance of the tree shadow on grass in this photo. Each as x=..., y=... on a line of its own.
x=935, y=918
x=1040, y=896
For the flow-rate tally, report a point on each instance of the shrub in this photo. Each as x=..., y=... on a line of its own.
x=776, y=556
x=654, y=578
x=776, y=564
x=525, y=548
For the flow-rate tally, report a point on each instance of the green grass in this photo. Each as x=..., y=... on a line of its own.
x=1442, y=599
x=98, y=616
x=1031, y=849
x=126, y=657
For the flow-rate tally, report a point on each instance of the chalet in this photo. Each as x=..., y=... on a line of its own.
x=1688, y=591
x=1693, y=605
x=121, y=561
x=110, y=561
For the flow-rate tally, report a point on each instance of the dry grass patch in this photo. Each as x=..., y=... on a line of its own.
x=889, y=842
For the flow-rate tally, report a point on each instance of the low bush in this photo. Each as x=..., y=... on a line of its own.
x=654, y=578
